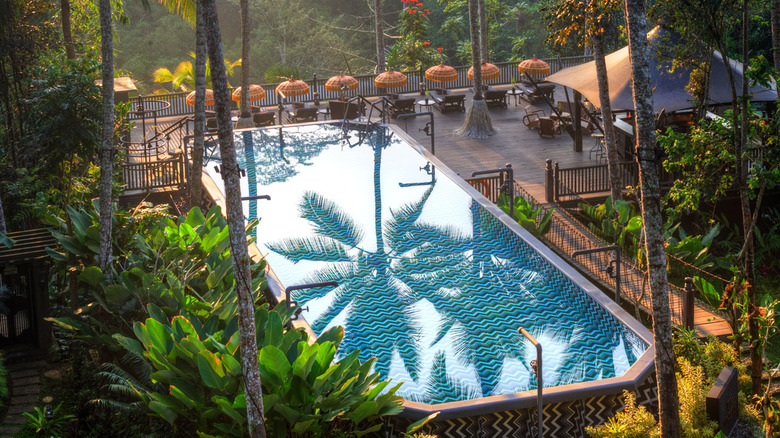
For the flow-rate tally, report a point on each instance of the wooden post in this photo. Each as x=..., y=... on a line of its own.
x=556, y=182
x=548, y=181
x=688, y=307
x=577, y=120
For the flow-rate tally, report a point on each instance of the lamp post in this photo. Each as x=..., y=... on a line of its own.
x=537, y=367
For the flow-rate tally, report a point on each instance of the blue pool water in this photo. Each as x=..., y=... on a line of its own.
x=430, y=283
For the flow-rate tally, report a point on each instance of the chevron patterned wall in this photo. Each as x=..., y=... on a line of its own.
x=561, y=420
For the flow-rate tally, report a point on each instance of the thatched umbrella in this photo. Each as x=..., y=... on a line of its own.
x=190, y=100
x=292, y=87
x=256, y=92
x=441, y=73
x=341, y=83
x=390, y=79
x=534, y=67
x=489, y=72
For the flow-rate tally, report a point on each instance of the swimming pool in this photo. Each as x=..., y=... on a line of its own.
x=434, y=281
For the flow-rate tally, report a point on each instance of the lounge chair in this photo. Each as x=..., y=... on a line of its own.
x=549, y=127
x=532, y=116
x=404, y=105
x=304, y=115
x=449, y=102
x=343, y=110
x=496, y=98
x=264, y=118
x=211, y=125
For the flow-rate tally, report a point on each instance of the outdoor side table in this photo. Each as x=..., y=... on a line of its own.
x=425, y=103
x=325, y=113
x=514, y=92
x=598, y=148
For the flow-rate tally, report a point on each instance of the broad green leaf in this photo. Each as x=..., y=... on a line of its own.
x=182, y=327
x=211, y=370
x=227, y=408
x=372, y=429
x=365, y=410
x=163, y=411
x=414, y=427
x=117, y=295
x=195, y=217
x=187, y=393
x=303, y=426
x=159, y=335
x=275, y=364
x=92, y=275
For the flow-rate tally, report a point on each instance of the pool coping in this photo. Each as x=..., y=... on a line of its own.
x=630, y=380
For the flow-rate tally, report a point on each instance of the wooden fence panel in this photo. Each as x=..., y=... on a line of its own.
x=154, y=174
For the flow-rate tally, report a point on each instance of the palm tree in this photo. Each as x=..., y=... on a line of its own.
x=67, y=36
x=107, y=137
x=245, y=119
x=235, y=217
x=477, y=123
x=184, y=75
x=668, y=401
x=201, y=60
x=380, y=36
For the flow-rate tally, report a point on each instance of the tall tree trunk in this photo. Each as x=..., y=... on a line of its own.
x=747, y=217
x=107, y=140
x=235, y=217
x=606, y=114
x=67, y=36
x=380, y=37
x=668, y=401
x=3, y=229
x=477, y=123
x=483, y=34
x=776, y=33
x=196, y=185
x=245, y=119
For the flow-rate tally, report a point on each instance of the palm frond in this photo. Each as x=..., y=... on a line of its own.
x=330, y=220
x=402, y=219
x=313, y=248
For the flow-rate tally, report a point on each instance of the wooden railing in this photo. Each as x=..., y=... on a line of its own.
x=155, y=174
x=365, y=87
x=489, y=186
x=574, y=181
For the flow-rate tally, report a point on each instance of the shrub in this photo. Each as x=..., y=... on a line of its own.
x=536, y=221
x=3, y=386
x=633, y=422
x=692, y=391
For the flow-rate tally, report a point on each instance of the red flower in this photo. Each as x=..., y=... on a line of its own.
x=419, y=5
x=426, y=44
x=440, y=49
x=426, y=11
x=413, y=11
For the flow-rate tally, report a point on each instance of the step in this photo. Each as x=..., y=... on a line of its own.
x=24, y=381
x=9, y=430
x=19, y=409
x=15, y=365
x=14, y=419
x=24, y=390
x=18, y=374
x=28, y=399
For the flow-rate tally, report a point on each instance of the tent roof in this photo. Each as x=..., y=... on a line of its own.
x=668, y=82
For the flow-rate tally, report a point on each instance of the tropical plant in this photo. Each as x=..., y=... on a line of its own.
x=45, y=426
x=617, y=222
x=537, y=221
x=281, y=72
x=183, y=76
x=195, y=357
x=3, y=384
x=635, y=421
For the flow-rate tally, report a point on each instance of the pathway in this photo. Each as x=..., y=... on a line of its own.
x=24, y=379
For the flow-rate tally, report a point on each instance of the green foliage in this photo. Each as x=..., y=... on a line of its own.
x=692, y=390
x=633, y=422
x=536, y=221
x=47, y=427
x=183, y=77
x=617, y=222
x=412, y=50
x=281, y=72
x=3, y=385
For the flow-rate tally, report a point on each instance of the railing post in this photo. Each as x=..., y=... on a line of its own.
x=556, y=182
x=548, y=181
x=688, y=307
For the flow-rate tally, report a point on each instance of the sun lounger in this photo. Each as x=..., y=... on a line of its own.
x=264, y=118
x=448, y=102
x=495, y=98
x=404, y=105
x=340, y=110
x=304, y=115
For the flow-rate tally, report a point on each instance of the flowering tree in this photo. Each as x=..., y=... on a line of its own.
x=412, y=50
